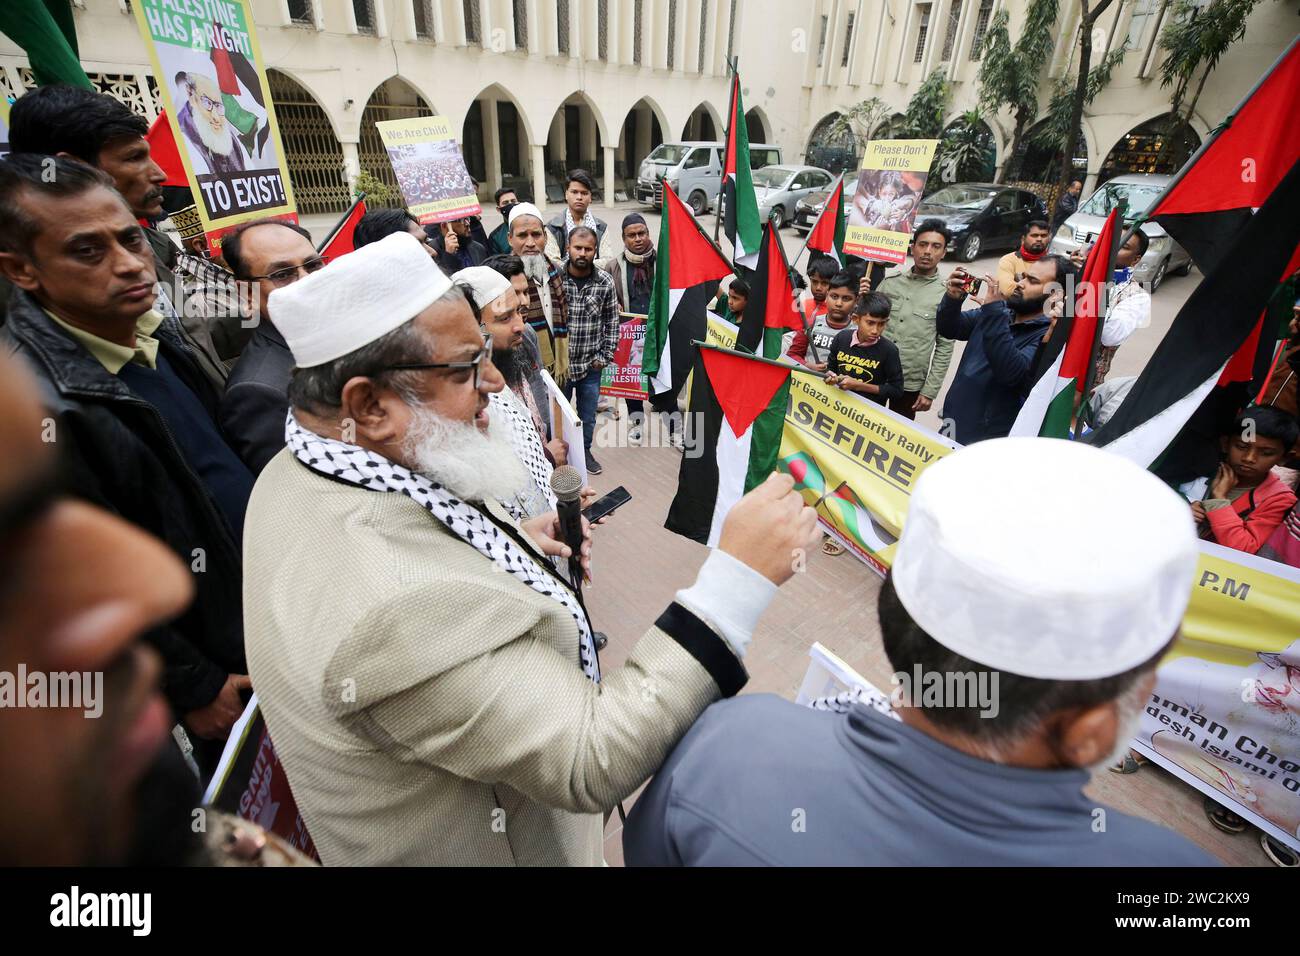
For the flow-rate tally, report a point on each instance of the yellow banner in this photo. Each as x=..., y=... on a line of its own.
x=212, y=80
x=886, y=196
x=429, y=168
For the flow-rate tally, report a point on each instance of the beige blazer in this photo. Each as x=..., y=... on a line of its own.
x=430, y=709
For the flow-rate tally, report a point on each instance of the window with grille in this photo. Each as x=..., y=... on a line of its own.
x=638, y=13
x=364, y=12
x=704, y=32
x=950, y=37
x=473, y=32
x=848, y=42
x=731, y=34
x=821, y=44
x=521, y=24
x=981, y=27
x=300, y=11
x=562, y=26
x=672, y=33
x=922, y=32
x=602, y=29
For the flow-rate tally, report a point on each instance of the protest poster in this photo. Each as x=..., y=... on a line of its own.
x=212, y=81
x=623, y=378
x=1225, y=710
x=251, y=783
x=566, y=424
x=4, y=127
x=430, y=168
x=886, y=196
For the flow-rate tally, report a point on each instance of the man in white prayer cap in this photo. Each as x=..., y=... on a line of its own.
x=431, y=684
x=1023, y=626
x=545, y=312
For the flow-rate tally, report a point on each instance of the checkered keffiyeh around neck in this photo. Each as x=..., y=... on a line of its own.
x=365, y=469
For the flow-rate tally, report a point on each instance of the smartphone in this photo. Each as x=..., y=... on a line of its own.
x=607, y=505
x=973, y=284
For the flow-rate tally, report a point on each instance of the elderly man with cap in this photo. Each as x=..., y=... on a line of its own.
x=441, y=701
x=1023, y=654
x=545, y=312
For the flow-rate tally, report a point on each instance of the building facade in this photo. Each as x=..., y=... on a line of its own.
x=539, y=86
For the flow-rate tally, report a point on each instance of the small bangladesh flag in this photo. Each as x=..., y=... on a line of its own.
x=743, y=225
x=771, y=310
x=686, y=280
x=805, y=471
x=828, y=232
x=740, y=402
x=856, y=518
x=1048, y=412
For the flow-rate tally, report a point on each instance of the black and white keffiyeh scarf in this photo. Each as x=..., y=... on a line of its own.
x=843, y=702
x=365, y=469
x=538, y=498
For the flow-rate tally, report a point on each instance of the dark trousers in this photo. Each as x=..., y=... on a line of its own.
x=588, y=389
x=903, y=406
x=666, y=403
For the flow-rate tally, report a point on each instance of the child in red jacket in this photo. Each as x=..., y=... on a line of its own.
x=1246, y=502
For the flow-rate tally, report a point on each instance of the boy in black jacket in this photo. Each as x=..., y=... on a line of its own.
x=861, y=359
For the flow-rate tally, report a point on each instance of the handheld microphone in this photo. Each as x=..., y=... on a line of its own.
x=566, y=483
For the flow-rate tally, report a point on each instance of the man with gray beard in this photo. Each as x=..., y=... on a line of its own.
x=431, y=683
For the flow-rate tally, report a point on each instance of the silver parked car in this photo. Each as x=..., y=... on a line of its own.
x=778, y=189
x=1140, y=191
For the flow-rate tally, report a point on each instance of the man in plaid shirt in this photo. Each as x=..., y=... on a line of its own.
x=592, y=304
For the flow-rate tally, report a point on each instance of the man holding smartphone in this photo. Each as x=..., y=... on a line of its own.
x=1002, y=338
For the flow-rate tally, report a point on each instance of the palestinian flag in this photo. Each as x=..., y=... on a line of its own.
x=1236, y=169
x=740, y=401
x=854, y=516
x=1048, y=410
x=340, y=241
x=1220, y=316
x=687, y=272
x=827, y=234
x=771, y=310
x=742, y=223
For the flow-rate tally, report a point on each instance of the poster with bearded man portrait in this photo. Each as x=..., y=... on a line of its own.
x=211, y=78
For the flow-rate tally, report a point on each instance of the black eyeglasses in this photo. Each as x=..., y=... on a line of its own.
x=476, y=363
x=283, y=277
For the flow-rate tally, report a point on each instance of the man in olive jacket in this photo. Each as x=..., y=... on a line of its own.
x=914, y=296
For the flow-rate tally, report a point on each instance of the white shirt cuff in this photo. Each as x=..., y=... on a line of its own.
x=730, y=597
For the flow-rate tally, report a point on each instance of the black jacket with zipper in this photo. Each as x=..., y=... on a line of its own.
x=118, y=453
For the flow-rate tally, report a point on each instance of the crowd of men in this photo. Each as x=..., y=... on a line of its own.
x=348, y=509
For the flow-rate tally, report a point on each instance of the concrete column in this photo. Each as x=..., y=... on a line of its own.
x=613, y=39
x=609, y=175
x=491, y=145
x=351, y=164
x=539, y=176
x=586, y=134
x=644, y=134
x=557, y=139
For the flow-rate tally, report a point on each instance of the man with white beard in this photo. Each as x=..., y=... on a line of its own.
x=203, y=121
x=1023, y=653
x=545, y=312
x=430, y=682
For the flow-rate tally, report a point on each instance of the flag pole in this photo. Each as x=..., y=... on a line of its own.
x=1103, y=308
x=1210, y=140
x=734, y=66
x=339, y=225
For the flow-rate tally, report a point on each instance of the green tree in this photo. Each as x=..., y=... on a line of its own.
x=1088, y=20
x=965, y=151
x=1053, y=133
x=860, y=121
x=923, y=118
x=1009, y=75
x=1194, y=40
x=374, y=189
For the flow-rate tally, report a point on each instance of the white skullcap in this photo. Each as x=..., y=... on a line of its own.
x=523, y=209
x=356, y=299
x=486, y=284
x=1046, y=558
